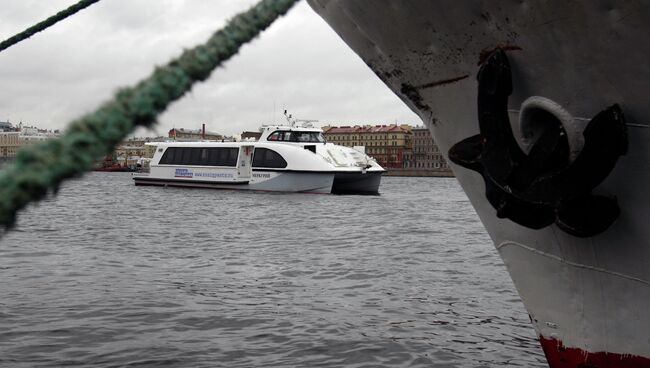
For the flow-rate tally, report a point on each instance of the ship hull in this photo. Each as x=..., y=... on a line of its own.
x=587, y=297
x=357, y=183
x=301, y=182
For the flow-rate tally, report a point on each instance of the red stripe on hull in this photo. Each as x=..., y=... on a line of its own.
x=560, y=356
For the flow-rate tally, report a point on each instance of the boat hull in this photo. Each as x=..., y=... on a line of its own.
x=357, y=183
x=587, y=297
x=320, y=183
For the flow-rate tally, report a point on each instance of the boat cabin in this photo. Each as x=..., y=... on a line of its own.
x=288, y=134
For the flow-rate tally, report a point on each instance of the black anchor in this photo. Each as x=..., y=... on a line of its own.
x=543, y=186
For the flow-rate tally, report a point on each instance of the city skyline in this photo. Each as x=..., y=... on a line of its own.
x=299, y=64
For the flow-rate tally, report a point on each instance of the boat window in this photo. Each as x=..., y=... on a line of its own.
x=301, y=137
x=264, y=157
x=215, y=157
x=195, y=156
x=185, y=156
x=288, y=137
x=222, y=156
x=311, y=137
x=232, y=157
x=209, y=156
x=168, y=157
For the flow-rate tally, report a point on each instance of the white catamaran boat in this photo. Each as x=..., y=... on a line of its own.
x=542, y=106
x=286, y=158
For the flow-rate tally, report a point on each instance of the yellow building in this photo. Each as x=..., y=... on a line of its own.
x=9, y=144
x=134, y=148
x=12, y=141
x=149, y=150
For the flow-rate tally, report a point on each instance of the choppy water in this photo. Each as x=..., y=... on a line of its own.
x=112, y=275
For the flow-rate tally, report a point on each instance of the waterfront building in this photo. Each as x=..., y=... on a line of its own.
x=9, y=144
x=149, y=150
x=132, y=149
x=126, y=152
x=385, y=143
x=402, y=149
x=344, y=135
x=425, y=154
x=12, y=140
x=251, y=135
x=6, y=126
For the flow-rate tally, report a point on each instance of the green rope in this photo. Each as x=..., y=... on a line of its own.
x=41, y=168
x=29, y=32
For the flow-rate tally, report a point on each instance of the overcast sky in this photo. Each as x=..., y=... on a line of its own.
x=299, y=64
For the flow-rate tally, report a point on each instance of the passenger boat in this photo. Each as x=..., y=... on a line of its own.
x=287, y=158
x=541, y=106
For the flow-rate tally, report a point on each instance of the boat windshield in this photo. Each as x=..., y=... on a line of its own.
x=300, y=137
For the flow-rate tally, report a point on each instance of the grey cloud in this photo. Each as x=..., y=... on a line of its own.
x=299, y=63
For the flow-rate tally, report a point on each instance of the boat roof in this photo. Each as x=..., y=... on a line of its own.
x=200, y=144
x=273, y=127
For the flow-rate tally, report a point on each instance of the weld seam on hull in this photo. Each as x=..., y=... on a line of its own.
x=636, y=125
x=571, y=263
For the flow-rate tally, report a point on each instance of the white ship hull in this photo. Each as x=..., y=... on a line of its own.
x=588, y=297
x=265, y=181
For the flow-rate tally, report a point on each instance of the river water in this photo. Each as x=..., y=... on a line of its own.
x=107, y=274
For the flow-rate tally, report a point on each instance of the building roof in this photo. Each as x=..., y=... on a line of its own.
x=248, y=134
x=193, y=131
x=388, y=129
x=342, y=129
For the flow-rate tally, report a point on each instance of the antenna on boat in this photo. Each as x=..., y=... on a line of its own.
x=306, y=123
x=288, y=117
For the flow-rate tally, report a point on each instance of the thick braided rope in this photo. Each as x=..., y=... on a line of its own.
x=41, y=168
x=29, y=32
